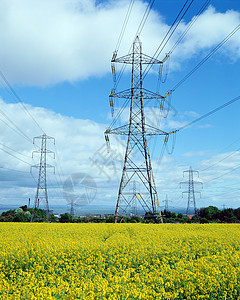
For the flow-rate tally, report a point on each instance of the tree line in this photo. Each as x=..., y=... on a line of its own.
x=210, y=214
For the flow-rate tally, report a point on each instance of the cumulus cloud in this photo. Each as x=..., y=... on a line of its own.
x=46, y=42
x=80, y=148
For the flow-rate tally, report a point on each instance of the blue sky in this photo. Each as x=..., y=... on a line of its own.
x=56, y=55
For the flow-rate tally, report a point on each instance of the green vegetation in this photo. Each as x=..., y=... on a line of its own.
x=210, y=214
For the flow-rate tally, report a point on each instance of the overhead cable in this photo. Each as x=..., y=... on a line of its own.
x=232, y=170
x=124, y=25
x=13, y=150
x=16, y=157
x=209, y=113
x=15, y=128
x=13, y=170
x=19, y=99
x=169, y=34
x=206, y=58
x=213, y=165
x=202, y=9
x=139, y=30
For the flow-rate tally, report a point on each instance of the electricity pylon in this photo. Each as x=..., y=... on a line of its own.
x=137, y=162
x=166, y=202
x=191, y=192
x=41, y=193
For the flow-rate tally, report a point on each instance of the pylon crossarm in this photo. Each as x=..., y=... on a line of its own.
x=45, y=137
x=183, y=182
x=122, y=130
x=127, y=94
x=151, y=130
x=132, y=57
x=136, y=130
x=198, y=182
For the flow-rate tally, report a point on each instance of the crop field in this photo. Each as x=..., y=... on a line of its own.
x=119, y=261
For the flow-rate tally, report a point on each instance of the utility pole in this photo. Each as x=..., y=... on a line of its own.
x=137, y=162
x=191, y=191
x=41, y=193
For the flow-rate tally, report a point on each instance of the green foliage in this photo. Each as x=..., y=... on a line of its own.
x=66, y=218
x=24, y=207
x=109, y=219
x=210, y=213
x=53, y=218
x=18, y=211
x=38, y=214
x=237, y=213
x=204, y=220
x=228, y=216
x=207, y=215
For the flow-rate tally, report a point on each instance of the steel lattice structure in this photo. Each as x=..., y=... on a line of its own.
x=191, y=191
x=137, y=163
x=41, y=193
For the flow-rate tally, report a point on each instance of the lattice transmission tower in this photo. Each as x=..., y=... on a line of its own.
x=166, y=201
x=41, y=193
x=137, y=162
x=191, y=191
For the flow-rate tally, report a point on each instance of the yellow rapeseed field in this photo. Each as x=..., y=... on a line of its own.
x=119, y=261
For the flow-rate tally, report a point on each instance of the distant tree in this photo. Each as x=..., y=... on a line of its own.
x=8, y=213
x=53, y=218
x=237, y=213
x=65, y=218
x=24, y=207
x=27, y=215
x=18, y=211
x=204, y=220
x=135, y=219
x=109, y=219
x=38, y=214
x=180, y=215
x=19, y=218
x=169, y=214
x=227, y=215
x=149, y=217
x=210, y=213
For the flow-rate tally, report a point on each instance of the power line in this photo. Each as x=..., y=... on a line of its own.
x=16, y=157
x=220, y=160
x=232, y=170
x=16, y=129
x=19, y=99
x=13, y=170
x=144, y=18
x=202, y=9
x=124, y=25
x=139, y=30
x=147, y=11
x=209, y=113
x=169, y=34
x=172, y=28
x=206, y=58
x=13, y=150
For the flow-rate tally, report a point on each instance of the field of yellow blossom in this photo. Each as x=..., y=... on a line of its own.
x=119, y=261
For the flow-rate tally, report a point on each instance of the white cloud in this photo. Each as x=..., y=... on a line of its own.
x=46, y=42
x=208, y=31
x=81, y=148
x=194, y=154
